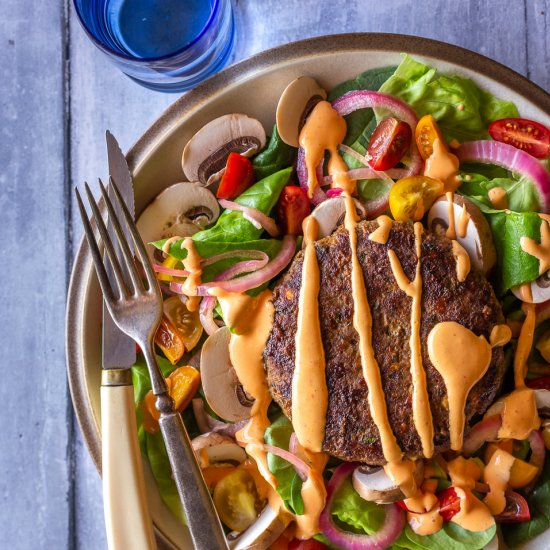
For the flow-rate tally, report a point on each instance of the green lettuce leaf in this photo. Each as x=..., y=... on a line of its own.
x=462, y=110
x=515, y=266
x=450, y=537
x=539, y=506
x=289, y=483
x=521, y=193
x=276, y=156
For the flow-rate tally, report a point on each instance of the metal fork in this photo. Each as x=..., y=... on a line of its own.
x=137, y=310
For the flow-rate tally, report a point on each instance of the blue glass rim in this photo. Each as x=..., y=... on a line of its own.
x=145, y=60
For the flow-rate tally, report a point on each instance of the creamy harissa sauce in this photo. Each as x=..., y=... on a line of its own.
x=250, y=320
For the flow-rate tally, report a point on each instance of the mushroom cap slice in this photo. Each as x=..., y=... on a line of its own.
x=478, y=241
x=295, y=104
x=376, y=486
x=222, y=388
x=540, y=290
x=331, y=213
x=174, y=212
x=205, y=154
x=262, y=533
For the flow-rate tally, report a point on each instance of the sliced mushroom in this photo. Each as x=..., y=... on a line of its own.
x=542, y=398
x=206, y=153
x=296, y=103
x=181, y=209
x=478, y=241
x=222, y=388
x=376, y=486
x=262, y=533
x=212, y=448
x=540, y=290
x=331, y=213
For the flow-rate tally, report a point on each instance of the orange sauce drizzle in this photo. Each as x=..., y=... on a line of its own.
x=498, y=198
x=526, y=293
x=460, y=371
x=462, y=261
x=382, y=233
x=540, y=251
x=463, y=221
x=451, y=230
x=323, y=131
x=474, y=514
x=422, y=413
x=497, y=475
x=250, y=320
x=192, y=263
x=500, y=335
x=169, y=242
x=520, y=415
x=443, y=165
x=309, y=388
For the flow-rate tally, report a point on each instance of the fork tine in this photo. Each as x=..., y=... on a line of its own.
x=122, y=241
x=108, y=244
x=96, y=254
x=140, y=247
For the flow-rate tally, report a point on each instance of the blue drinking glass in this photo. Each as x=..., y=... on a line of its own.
x=165, y=45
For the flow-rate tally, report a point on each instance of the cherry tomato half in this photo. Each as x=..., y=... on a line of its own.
x=237, y=178
x=426, y=132
x=292, y=209
x=237, y=501
x=169, y=340
x=187, y=323
x=389, y=142
x=542, y=383
x=528, y=135
x=411, y=197
x=310, y=544
x=449, y=503
x=516, y=511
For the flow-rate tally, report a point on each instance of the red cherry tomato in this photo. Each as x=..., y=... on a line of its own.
x=237, y=178
x=528, y=135
x=292, y=208
x=542, y=383
x=389, y=142
x=310, y=544
x=402, y=505
x=449, y=503
x=516, y=511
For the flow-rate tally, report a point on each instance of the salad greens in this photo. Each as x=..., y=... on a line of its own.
x=276, y=156
x=462, y=109
x=289, y=483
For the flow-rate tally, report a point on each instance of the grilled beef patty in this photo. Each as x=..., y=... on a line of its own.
x=350, y=432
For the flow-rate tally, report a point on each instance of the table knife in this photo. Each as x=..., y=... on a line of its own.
x=127, y=519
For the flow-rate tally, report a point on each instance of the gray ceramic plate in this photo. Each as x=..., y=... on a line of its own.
x=252, y=87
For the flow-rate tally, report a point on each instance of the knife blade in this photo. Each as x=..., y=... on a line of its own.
x=119, y=350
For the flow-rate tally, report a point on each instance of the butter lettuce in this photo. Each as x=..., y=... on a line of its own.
x=462, y=109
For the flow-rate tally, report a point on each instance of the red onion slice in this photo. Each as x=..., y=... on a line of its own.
x=389, y=531
x=485, y=430
x=301, y=171
x=302, y=469
x=170, y=271
x=253, y=215
x=253, y=280
x=538, y=454
x=515, y=160
x=248, y=254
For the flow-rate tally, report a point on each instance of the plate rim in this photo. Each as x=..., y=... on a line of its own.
x=282, y=54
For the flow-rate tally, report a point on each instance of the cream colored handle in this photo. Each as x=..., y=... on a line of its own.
x=127, y=516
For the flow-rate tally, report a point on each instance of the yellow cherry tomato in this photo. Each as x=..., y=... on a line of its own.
x=237, y=500
x=183, y=384
x=426, y=132
x=171, y=263
x=169, y=340
x=187, y=323
x=411, y=197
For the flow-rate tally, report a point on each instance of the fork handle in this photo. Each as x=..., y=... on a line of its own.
x=127, y=518
x=203, y=522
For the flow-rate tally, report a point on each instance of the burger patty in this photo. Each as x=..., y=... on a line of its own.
x=350, y=433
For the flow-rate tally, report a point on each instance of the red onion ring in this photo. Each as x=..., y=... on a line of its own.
x=248, y=254
x=389, y=531
x=485, y=430
x=302, y=469
x=253, y=214
x=170, y=271
x=515, y=160
x=208, y=424
x=301, y=171
x=257, y=278
x=538, y=454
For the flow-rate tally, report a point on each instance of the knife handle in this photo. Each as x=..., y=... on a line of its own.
x=127, y=518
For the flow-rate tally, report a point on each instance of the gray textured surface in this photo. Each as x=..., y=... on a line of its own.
x=58, y=94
